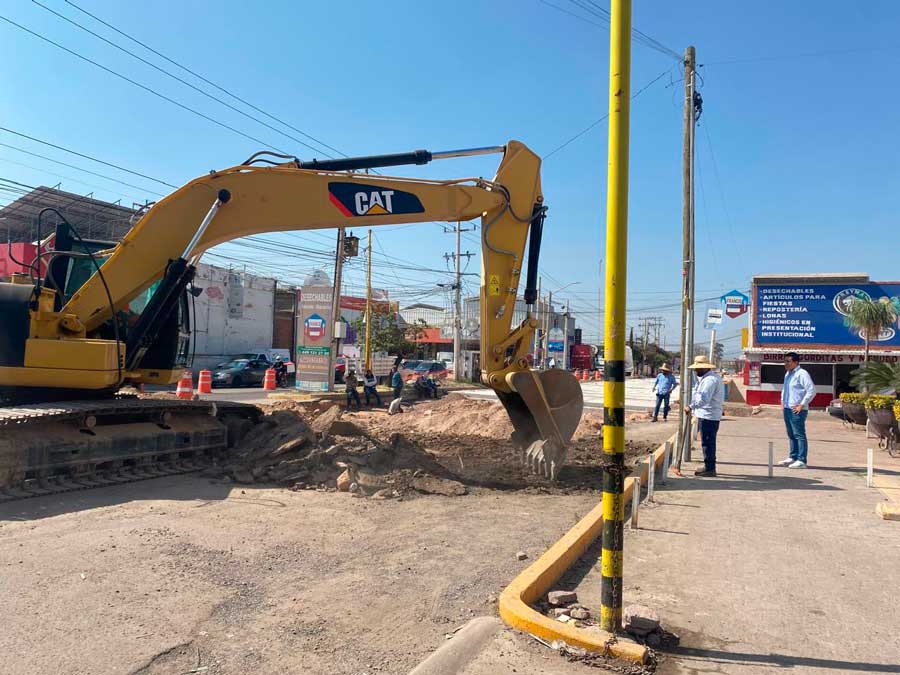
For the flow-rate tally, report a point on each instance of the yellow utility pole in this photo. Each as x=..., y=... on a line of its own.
x=614, y=329
x=368, y=359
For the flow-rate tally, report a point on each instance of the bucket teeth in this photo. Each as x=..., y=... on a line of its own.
x=544, y=458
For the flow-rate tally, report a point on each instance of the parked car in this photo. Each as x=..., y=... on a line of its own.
x=836, y=409
x=434, y=369
x=408, y=367
x=340, y=369
x=240, y=373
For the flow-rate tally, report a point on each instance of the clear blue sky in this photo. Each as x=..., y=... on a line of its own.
x=800, y=115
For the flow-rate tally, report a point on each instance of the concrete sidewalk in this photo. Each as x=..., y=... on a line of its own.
x=757, y=575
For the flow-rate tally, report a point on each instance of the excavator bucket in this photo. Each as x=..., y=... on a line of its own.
x=545, y=409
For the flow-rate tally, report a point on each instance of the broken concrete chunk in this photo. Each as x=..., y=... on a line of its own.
x=579, y=613
x=324, y=421
x=521, y=555
x=559, y=611
x=640, y=619
x=344, y=481
x=557, y=598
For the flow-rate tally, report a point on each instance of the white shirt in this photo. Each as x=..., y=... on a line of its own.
x=798, y=388
x=708, y=397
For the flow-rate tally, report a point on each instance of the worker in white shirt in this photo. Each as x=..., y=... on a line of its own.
x=796, y=395
x=707, y=401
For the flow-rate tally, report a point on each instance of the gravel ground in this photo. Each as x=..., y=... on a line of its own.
x=191, y=575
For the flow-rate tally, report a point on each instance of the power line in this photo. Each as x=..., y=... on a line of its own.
x=93, y=159
x=593, y=124
x=600, y=13
x=800, y=55
x=72, y=166
x=179, y=79
x=202, y=78
x=144, y=87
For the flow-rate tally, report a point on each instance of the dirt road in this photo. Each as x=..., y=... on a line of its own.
x=179, y=574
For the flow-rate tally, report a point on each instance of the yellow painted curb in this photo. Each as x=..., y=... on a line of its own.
x=539, y=577
x=888, y=511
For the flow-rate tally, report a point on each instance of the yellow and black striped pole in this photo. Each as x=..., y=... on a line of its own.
x=614, y=328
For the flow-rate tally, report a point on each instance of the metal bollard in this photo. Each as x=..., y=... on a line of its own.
x=870, y=466
x=651, y=477
x=635, y=502
x=771, y=457
x=667, y=454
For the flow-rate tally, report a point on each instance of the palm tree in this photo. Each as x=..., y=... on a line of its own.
x=878, y=377
x=870, y=317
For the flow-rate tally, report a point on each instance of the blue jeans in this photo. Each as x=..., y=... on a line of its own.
x=369, y=391
x=708, y=431
x=795, y=423
x=353, y=395
x=662, y=400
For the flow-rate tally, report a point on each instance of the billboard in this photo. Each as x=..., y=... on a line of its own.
x=815, y=315
x=314, y=337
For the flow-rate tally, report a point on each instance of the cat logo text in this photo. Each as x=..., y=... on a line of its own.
x=354, y=200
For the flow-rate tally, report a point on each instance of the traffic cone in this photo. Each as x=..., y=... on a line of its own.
x=597, y=376
x=585, y=375
x=185, y=388
x=578, y=374
x=269, y=381
x=204, y=382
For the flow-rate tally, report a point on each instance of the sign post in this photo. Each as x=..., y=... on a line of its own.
x=713, y=319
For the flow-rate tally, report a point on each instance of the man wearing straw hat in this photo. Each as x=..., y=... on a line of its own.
x=707, y=400
x=664, y=386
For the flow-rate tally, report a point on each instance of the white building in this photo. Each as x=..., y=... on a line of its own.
x=234, y=313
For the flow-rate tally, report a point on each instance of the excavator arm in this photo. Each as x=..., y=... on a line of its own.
x=62, y=347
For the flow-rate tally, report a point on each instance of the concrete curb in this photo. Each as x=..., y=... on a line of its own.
x=455, y=654
x=539, y=577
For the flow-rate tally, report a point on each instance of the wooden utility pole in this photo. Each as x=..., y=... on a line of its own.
x=457, y=299
x=336, y=306
x=683, y=449
x=368, y=359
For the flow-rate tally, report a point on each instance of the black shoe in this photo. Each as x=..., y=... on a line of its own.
x=654, y=420
x=703, y=473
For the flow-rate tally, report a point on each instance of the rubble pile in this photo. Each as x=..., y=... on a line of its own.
x=330, y=453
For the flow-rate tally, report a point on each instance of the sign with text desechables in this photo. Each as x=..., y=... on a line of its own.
x=816, y=314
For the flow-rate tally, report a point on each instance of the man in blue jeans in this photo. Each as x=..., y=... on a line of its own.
x=707, y=402
x=663, y=387
x=796, y=395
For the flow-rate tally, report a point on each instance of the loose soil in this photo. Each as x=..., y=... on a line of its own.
x=471, y=439
x=195, y=574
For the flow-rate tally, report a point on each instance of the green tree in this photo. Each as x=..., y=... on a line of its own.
x=870, y=317
x=876, y=376
x=388, y=334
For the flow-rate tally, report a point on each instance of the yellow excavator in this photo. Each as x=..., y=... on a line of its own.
x=100, y=320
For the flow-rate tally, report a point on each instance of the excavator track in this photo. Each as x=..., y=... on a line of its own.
x=50, y=448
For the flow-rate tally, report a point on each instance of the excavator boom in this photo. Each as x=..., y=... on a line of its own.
x=66, y=342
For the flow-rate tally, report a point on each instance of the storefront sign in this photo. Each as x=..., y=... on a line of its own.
x=778, y=357
x=816, y=314
x=315, y=331
x=557, y=338
x=736, y=303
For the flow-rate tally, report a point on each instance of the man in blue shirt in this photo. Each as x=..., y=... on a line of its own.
x=707, y=402
x=796, y=395
x=664, y=386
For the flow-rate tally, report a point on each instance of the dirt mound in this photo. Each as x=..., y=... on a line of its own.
x=331, y=453
x=452, y=415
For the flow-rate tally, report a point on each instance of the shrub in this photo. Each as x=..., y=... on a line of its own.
x=880, y=402
x=853, y=397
